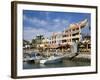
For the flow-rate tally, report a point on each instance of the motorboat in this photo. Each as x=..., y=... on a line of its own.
x=31, y=57
x=51, y=59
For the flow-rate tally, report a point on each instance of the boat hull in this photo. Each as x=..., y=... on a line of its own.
x=55, y=60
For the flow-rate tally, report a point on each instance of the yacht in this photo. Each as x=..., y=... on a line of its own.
x=51, y=59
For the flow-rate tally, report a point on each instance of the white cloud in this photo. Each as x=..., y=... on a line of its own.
x=44, y=23
x=43, y=27
x=56, y=20
x=60, y=24
x=61, y=21
x=35, y=21
x=30, y=33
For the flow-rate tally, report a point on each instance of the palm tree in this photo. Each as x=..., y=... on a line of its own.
x=33, y=43
x=39, y=39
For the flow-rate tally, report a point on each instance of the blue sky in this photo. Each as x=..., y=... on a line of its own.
x=45, y=22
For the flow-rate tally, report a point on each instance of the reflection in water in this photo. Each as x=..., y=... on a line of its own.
x=64, y=63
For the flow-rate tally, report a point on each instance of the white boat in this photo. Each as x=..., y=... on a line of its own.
x=51, y=59
x=31, y=57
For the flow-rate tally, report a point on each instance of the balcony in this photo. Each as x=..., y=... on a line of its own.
x=76, y=31
x=76, y=36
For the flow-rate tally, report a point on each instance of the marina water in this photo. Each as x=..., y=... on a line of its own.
x=64, y=63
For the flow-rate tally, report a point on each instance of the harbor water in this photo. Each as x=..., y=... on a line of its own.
x=63, y=63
